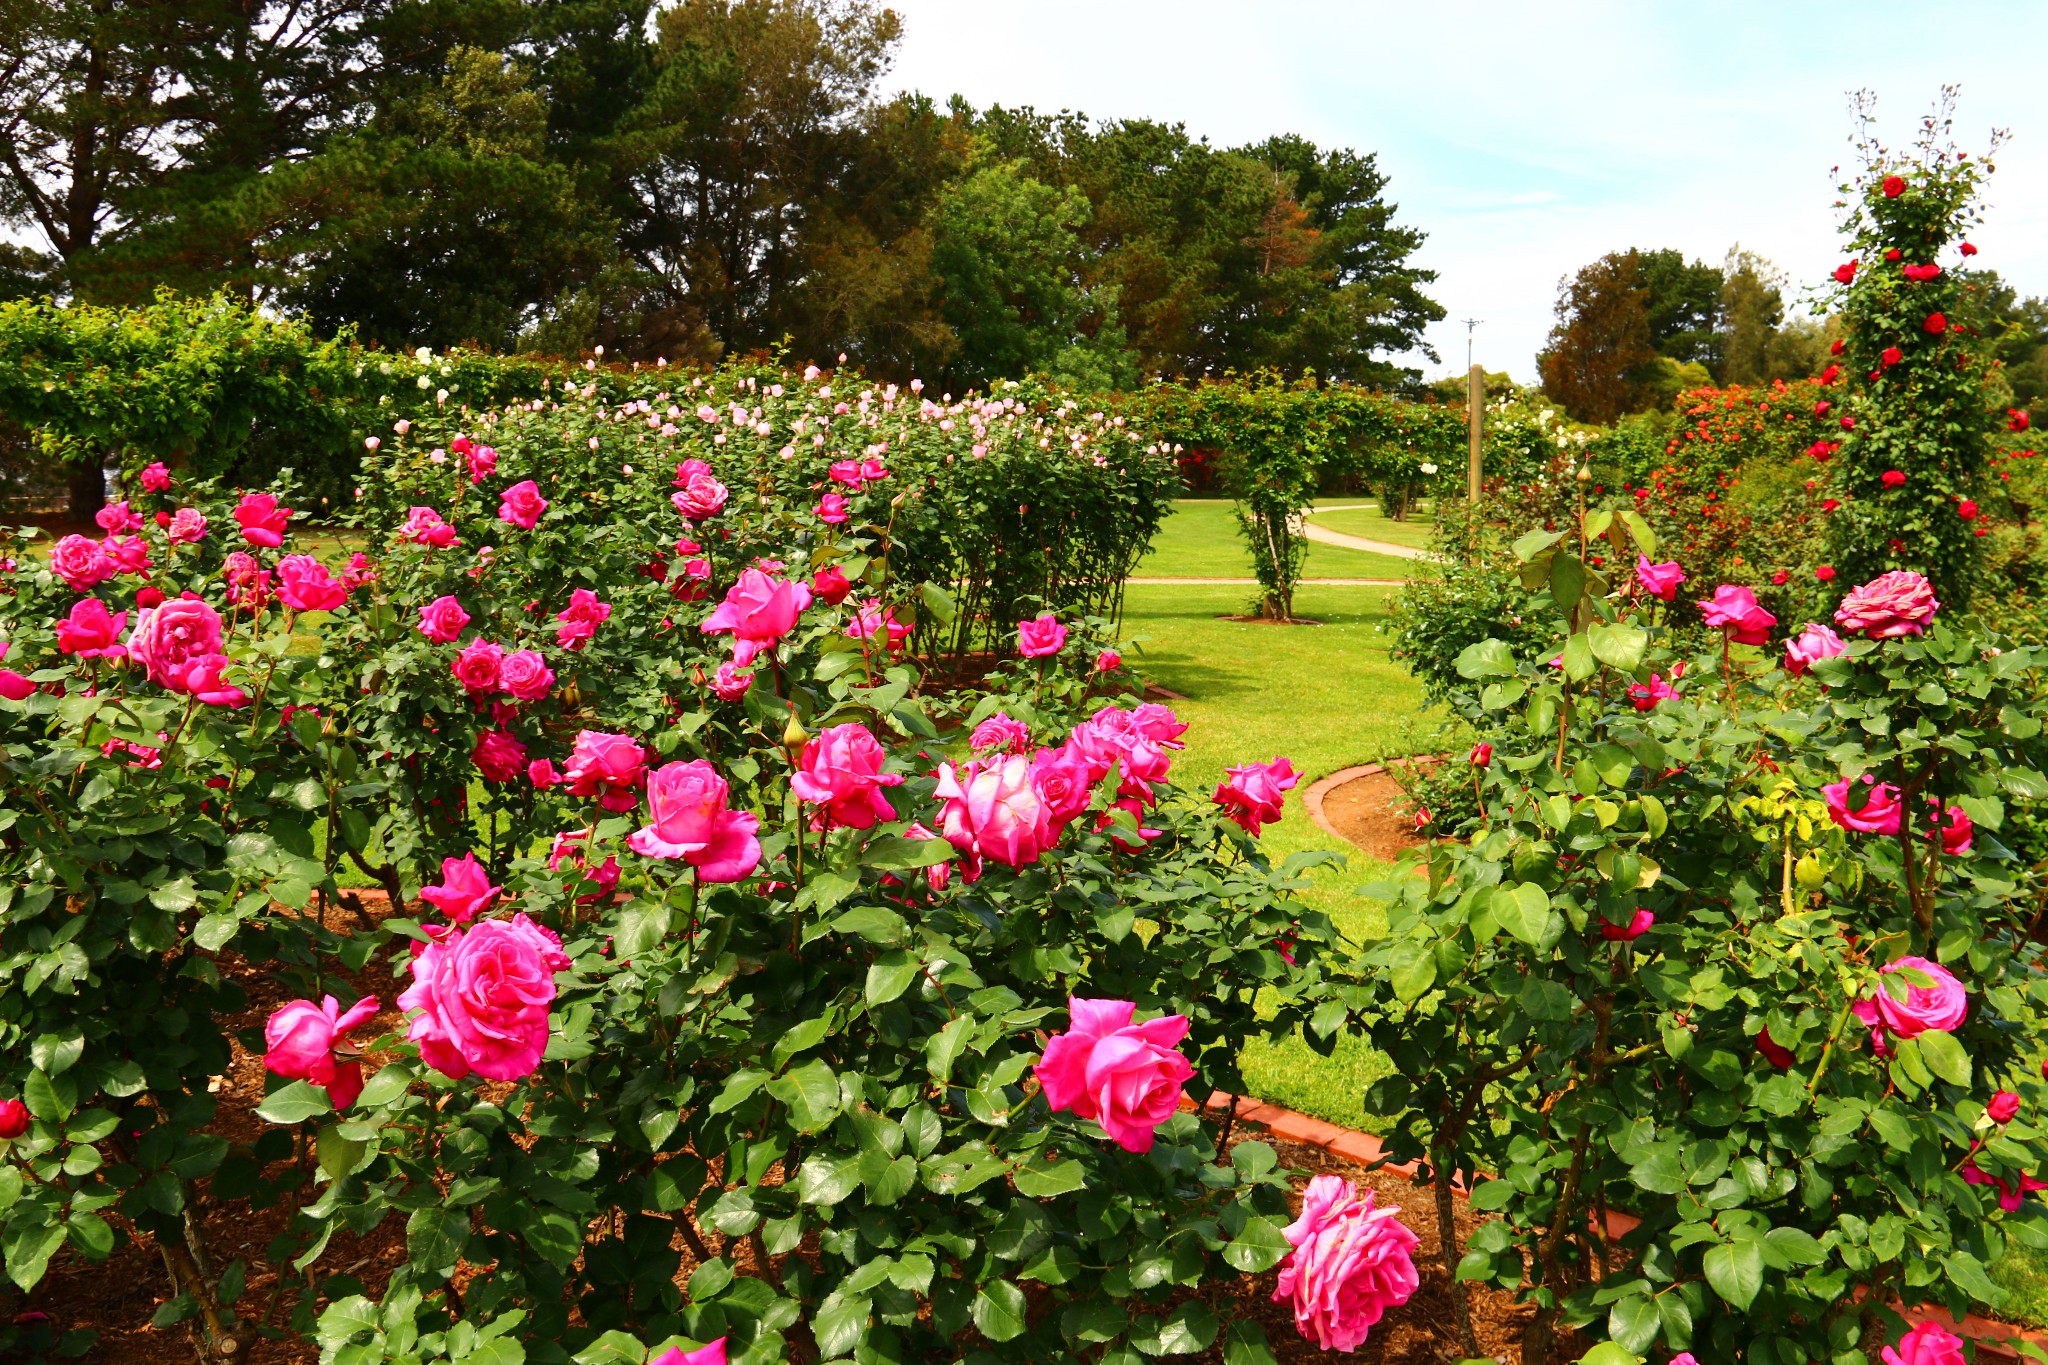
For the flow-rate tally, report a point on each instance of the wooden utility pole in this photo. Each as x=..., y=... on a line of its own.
x=1475, y=408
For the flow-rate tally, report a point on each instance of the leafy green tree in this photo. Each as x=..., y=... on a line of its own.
x=1683, y=306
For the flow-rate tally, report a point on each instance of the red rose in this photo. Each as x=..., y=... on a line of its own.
x=1820, y=409
x=1967, y=249
x=1779, y=577
x=1835, y=347
x=1893, y=355
x=1894, y=254
x=1967, y=510
x=1825, y=573
x=1893, y=187
x=1831, y=374
x=149, y=597
x=1892, y=478
x=1848, y=424
x=2017, y=420
x=1936, y=323
x=1845, y=273
x=1829, y=504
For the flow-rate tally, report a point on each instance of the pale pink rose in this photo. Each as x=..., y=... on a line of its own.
x=300, y=1039
x=1638, y=925
x=521, y=505
x=483, y=995
x=1659, y=580
x=1890, y=605
x=91, y=631
x=830, y=586
x=832, y=509
x=1878, y=814
x=1255, y=795
x=128, y=554
x=608, y=767
x=1108, y=661
x=262, y=520
x=580, y=619
x=841, y=771
x=730, y=683
x=201, y=677
x=757, y=611
x=701, y=498
x=691, y=819
x=188, y=527
x=82, y=563
x=993, y=810
x=1351, y=1262
x=498, y=756
x=1040, y=636
x=480, y=666
x=305, y=585
x=871, y=620
x=1927, y=1344
x=1815, y=643
x=1939, y=1005
x=712, y=1354
x=1000, y=732
x=1735, y=610
x=442, y=620
x=155, y=478
x=423, y=526
x=464, y=891
x=526, y=675
x=1125, y=1076
x=117, y=517
x=168, y=637
x=1060, y=776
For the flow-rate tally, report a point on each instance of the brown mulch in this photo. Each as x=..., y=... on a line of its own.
x=1371, y=812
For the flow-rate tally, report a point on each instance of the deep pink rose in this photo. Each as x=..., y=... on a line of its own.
x=1645, y=696
x=1351, y=1262
x=1127, y=1077
x=712, y=1354
x=1735, y=610
x=1040, y=636
x=1957, y=832
x=483, y=996
x=155, y=478
x=1638, y=925
x=526, y=675
x=1774, y=1052
x=1659, y=580
x=541, y=772
x=464, y=891
x=757, y=611
x=832, y=509
x=1255, y=795
x=358, y=572
x=1157, y=723
x=81, y=563
x=167, y=638
x=1815, y=643
x=993, y=810
x=1000, y=732
x=1060, y=776
x=701, y=498
x=128, y=554
x=262, y=520
x=248, y=581
x=1481, y=755
x=442, y=620
x=1108, y=661
x=1940, y=1005
x=423, y=526
x=690, y=819
x=2003, y=1106
x=1890, y=605
x=2010, y=1194
x=1929, y=1343
x=1878, y=814
x=730, y=683
x=188, y=527
x=91, y=631
x=580, y=619
x=1113, y=737
x=14, y=686
x=14, y=1120
x=608, y=767
x=479, y=666
x=498, y=756
x=521, y=505
x=305, y=585
x=483, y=462
x=201, y=677
x=830, y=586
x=872, y=619
x=847, y=472
x=300, y=1041
x=841, y=770
x=117, y=516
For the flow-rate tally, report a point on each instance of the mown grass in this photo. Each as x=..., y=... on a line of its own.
x=1354, y=520
x=1201, y=540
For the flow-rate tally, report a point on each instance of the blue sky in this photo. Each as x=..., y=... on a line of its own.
x=1529, y=139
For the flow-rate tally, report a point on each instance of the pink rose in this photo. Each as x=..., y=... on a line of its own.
x=480, y=666
x=483, y=462
x=1645, y=696
x=1113, y=737
x=1157, y=723
x=1958, y=834
x=1929, y=1343
x=526, y=675
x=1108, y=661
x=262, y=520
x=1939, y=1005
x=580, y=619
x=300, y=1039
x=541, y=772
x=1659, y=580
x=14, y=1120
x=155, y=478
x=1060, y=777
x=2003, y=1106
x=128, y=554
x=993, y=810
x=608, y=767
x=701, y=498
x=117, y=516
x=307, y=586
x=521, y=505
x=1126, y=1077
x=830, y=585
x=167, y=638
x=201, y=677
x=1736, y=611
x=872, y=619
x=1351, y=1262
x=1878, y=814
x=359, y=572
x=841, y=770
x=14, y=686
x=1481, y=755
x=690, y=819
x=248, y=581
x=731, y=683
x=91, y=631
x=465, y=889
x=483, y=996
x=713, y=1354
x=423, y=526
x=757, y=611
x=1890, y=605
x=1255, y=794
x=498, y=756
x=1815, y=643
x=188, y=527
x=832, y=509
x=847, y=472
x=1001, y=733
x=82, y=563
x=872, y=470
x=1040, y=636
x=442, y=620
x=1638, y=925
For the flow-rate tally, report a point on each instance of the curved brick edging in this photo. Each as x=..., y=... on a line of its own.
x=1313, y=798
x=1991, y=1337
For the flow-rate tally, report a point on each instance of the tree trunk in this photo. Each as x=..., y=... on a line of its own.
x=88, y=489
x=1447, y=1245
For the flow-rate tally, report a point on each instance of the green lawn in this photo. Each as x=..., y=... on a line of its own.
x=1201, y=540
x=1354, y=520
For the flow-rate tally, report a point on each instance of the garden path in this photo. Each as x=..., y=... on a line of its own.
x=1322, y=535
x=1253, y=582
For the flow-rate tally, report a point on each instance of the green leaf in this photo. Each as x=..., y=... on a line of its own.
x=1567, y=586
x=1190, y=1329
x=1535, y=543
x=1800, y=1248
x=811, y=1092
x=49, y=1098
x=642, y=924
x=338, y=1155
x=27, y=1250
x=295, y=1103
x=876, y=925
x=1618, y=646
x=1736, y=1271
x=57, y=1053
x=826, y=1178
x=387, y=1085
x=841, y=1322
x=1578, y=659
x=434, y=1237
x=1258, y=1246
x=1610, y=1353
x=999, y=1311
x=1646, y=539
x=943, y=1048
x=1524, y=911
x=890, y=974
x=1486, y=659
x=1945, y=1056
x=1633, y=1322
x=1042, y=1179
x=895, y=852
x=1245, y=1344
x=1412, y=971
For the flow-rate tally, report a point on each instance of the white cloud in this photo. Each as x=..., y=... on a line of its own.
x=1527, y=140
